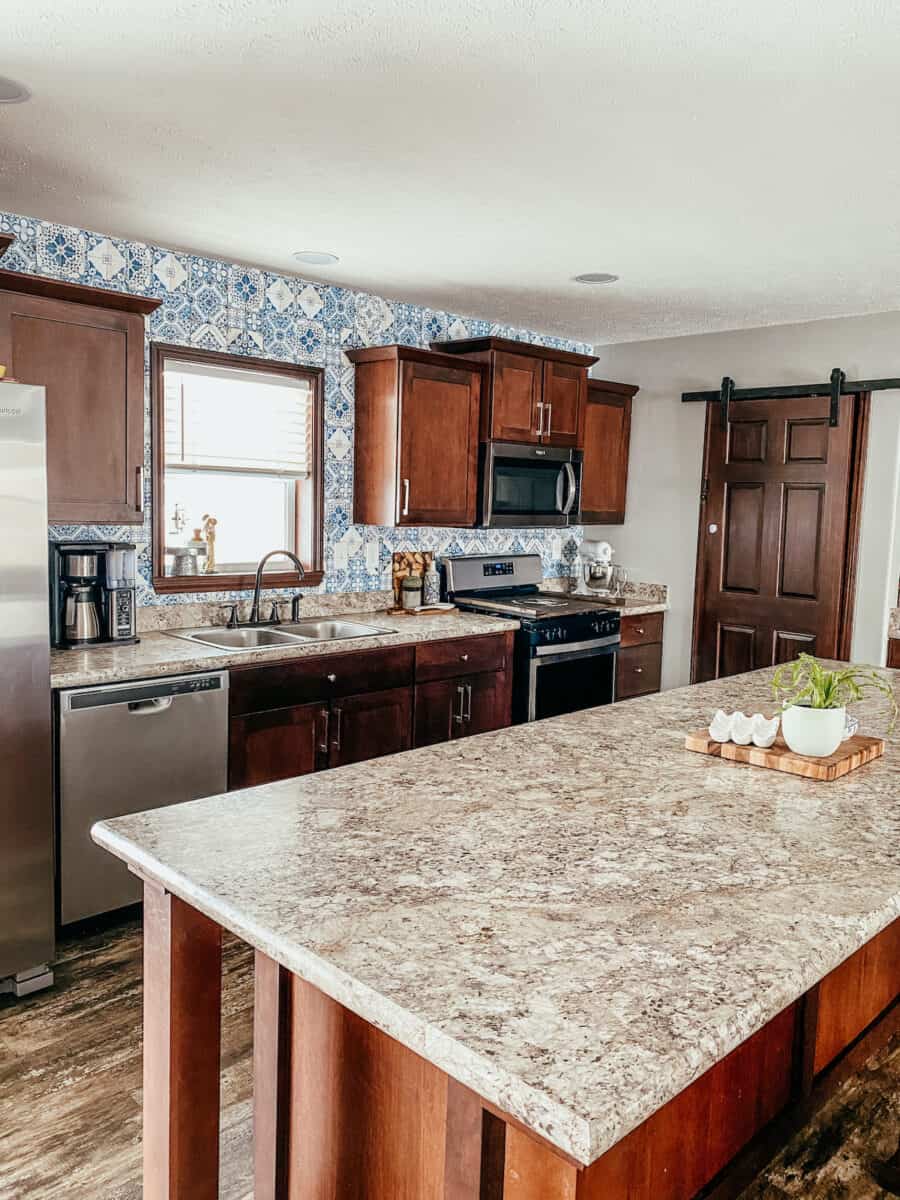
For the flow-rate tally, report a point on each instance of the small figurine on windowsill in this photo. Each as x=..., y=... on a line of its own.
x=209, y=533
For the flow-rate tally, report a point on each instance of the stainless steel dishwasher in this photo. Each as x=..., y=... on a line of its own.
x=125, y=748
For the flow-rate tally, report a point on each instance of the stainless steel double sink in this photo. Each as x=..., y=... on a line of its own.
x=267, y=637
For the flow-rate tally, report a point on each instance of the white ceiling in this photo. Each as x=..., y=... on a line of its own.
x=736, y=163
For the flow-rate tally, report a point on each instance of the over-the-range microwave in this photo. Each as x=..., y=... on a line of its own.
x=529, y=485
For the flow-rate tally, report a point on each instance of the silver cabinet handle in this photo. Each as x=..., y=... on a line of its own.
x=323, y=745
x=640, y=631
x=460, y=716
x=540, y=429
x=549, y=419
x=331, y=678
x=336, y=740
x=405, y=512
x=139, y=489
x=464, y=658
x=638, y=670
x=468, y=713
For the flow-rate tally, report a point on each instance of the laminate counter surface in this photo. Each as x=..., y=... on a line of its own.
x=574, y=918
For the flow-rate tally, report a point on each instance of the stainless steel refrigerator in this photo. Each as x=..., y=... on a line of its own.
x=26, y=773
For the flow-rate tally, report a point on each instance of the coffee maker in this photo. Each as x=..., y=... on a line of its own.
x=92, y=594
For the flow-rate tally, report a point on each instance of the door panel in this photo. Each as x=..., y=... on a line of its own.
x=91, y=361
x=438, y=445
x=367, y=726
x=517, y=382
x=451, y=708
x=563, y=394
x=488, y=703
x=279, y=744
x=743, y=530
x=437, y=706
x=773, y=534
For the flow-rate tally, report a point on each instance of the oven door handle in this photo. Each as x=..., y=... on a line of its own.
x=586, y=649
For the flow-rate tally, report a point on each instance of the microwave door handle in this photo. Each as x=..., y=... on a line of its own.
x=560, y=494
x=573, y=488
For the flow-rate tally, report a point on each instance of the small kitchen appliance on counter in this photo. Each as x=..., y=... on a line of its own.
x=596, y=574
x=565, y=656
x=92, y=594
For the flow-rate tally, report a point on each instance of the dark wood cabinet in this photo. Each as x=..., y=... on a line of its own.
x=369, y=725
x=463, y=687
x=565, y=386
x=416, y=437
x=639, y=659
x=277, y=744
x=606, y=436
x=300, y=715
x=893, y=652
x=90, y=359
x=533, y=394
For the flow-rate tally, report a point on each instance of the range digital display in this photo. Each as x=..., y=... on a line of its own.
x=493, y=569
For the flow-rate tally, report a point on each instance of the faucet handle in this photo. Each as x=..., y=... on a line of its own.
x=275, y=611
x=233, y=616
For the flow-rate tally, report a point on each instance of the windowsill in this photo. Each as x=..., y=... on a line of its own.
x=234, y=583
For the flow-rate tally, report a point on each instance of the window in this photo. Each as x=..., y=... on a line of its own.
x=237, y=454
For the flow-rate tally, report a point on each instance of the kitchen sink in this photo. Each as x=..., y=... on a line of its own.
x=266, y=638
x=332, y=631
x=241, y=639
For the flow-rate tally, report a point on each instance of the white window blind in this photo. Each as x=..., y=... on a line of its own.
x=236, y=420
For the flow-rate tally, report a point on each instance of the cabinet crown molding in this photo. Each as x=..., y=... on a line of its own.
x=510, y=346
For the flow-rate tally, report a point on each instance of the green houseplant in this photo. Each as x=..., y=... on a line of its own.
x=815, y=699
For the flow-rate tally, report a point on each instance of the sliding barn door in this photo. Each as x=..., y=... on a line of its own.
x=774, y=532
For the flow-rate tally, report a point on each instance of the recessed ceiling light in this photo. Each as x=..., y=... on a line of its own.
x=316, y=258
x=12, y=92
x=596, y=277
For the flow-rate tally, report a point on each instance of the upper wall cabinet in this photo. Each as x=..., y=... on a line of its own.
x=416, y=437
x=607, y=433
x=534, y=394
x=89, y=355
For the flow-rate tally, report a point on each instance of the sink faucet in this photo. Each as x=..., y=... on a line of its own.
x=254, y=610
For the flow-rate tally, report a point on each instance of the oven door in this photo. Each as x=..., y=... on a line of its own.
x=530, y=485
x=561, y=680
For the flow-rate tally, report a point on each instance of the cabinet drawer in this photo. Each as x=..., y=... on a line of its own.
x=462, y=656
x=638, y=671
x=282, y=684
x=642, y=630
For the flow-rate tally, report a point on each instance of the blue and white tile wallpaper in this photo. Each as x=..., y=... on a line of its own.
x=225, y=306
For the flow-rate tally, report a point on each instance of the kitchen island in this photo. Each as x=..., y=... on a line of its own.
x=565, y=960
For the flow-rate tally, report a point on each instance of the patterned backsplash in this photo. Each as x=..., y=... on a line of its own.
x=244, y=310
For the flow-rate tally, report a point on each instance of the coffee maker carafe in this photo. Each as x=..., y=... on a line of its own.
x=92, y=593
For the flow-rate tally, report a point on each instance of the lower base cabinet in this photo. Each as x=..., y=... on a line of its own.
x=453, y=708
x=639, y=659
x=296, y=716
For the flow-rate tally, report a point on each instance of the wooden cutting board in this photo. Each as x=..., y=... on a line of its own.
x=853, y=753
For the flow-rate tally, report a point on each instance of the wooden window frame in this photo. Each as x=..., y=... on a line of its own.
x=308, y=547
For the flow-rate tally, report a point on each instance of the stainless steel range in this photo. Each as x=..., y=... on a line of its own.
x=565, y=656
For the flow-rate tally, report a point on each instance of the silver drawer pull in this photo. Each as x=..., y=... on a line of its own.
x=638, y=670
x=405, y=512
x=640, y=631
x=331, y=678
x=464, y=658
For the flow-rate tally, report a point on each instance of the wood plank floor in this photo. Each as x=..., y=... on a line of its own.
x=70, y=1090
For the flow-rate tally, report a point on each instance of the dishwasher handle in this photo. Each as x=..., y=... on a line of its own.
x=154, y=705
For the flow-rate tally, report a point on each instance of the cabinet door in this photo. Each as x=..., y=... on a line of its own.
x=517, y=385
x=367, y=726
x=91, y=361
x=453, y=708
x=607, y=432
x=564, y=388
x=488, y=702
x=279, y=744
x=438, y=460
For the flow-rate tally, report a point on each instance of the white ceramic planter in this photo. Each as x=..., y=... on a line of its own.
x=816, y=732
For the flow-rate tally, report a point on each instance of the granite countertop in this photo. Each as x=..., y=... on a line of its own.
x=574, y=918
x=163, y=654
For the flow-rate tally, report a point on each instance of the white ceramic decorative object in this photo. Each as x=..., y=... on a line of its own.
x=741, y=729
x=764, y=732
x=816, y=732
x=720, y=727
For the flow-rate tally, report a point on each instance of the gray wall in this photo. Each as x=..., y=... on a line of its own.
x=659, y=538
